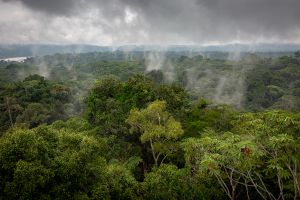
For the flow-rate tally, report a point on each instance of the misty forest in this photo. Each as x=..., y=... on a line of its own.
x=160, y=100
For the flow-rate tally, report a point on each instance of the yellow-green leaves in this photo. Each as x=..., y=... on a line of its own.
x=157, y=127
x=154, y=122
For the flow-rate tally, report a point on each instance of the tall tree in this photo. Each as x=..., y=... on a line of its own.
x=156, y=127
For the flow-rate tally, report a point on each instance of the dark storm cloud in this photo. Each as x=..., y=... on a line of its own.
x=269, y=13
x=56, y=7
x=171, y=21
x=213, y=19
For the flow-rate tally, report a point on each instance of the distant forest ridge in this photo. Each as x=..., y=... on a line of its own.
x=19, y=50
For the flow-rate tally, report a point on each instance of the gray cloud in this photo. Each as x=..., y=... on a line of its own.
x=150, y=21
x=60, y=7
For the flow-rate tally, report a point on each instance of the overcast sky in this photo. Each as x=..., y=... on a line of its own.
x=120, y=22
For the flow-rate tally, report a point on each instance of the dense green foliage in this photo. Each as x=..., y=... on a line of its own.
x=128, y=136
x=34, y=101
x=275, y=84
